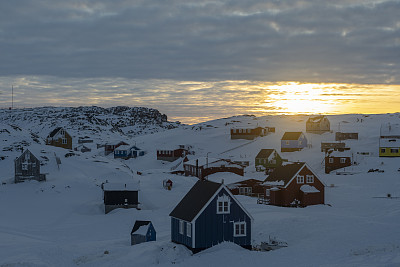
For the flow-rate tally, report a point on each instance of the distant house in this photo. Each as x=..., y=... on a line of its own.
x=339, y=136
x=109, y=148
x=248, y=133
x=59, y=138
x=82, y=148
x=172, y=153
x=208, y=215
x=267, y=159
x=337, y=160
x=318, y=124
x=142, y=231
x=203, y=166
x=333, y=145
x=84, y=140
x=127, y=151
x=389, y=142
x=27, y=167
x=293, y=141
x=249, y=187
x=120, y=195
x=294, y=184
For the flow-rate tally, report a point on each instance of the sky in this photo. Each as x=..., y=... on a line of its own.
x=143, y=45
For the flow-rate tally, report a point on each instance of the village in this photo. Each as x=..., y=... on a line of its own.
x=213, y=180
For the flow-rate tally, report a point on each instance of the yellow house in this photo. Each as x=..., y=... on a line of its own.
x=389, y=147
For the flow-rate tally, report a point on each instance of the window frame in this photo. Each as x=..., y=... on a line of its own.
x=181, y=227
x=239, y=229
x=310, y=179
x=300, y=179
x=188, y=229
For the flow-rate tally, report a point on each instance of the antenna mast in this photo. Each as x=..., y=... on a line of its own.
x=12, y=96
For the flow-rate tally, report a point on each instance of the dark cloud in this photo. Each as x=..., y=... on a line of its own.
x=309, y=41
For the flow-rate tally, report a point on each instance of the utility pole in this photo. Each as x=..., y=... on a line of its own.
x=12, y=96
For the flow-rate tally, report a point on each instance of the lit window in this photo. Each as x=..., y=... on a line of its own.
x=300, y=179
x=310, y=179
x=239, y=229
x=189, y=229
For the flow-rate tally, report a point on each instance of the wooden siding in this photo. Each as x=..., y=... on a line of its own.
x=27, y=167
x=212, y=228
x=294, y=145
x=336, y=164
x=180, y=238
x=171, y=155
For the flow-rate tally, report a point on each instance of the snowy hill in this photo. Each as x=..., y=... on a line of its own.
x=61, y=222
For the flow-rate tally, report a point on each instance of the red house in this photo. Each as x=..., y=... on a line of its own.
x=337, y=160
x=203, y=166
x=249, y=133
x=294, y=185
x=249, y=187
x=172, y=153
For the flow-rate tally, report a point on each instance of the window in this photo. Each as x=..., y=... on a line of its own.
x=25, y=166
x=383, y=150
x=223, y=205
x=239, y=229
x=342, y=160
x=189, y=229
x=62, y=132
x=181, y=227
x=267, y=192
x=394, y=150
x=300, y=179
x=245, y=190
x=64, y=141
x=310, y=179
x=330, y=160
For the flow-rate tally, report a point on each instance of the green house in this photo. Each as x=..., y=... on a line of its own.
x=267, y=159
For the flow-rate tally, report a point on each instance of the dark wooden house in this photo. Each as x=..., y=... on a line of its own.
x=204, y=166
x=208, y=215
x=294, y=185
x=337, y=160
x=249, y=187
x=318, y=124
x=120, y=195
x=143, y=231
x=293, y=141
x=267, y=159
x=248, y=133
x=339, y=136
x=337, y=146
x=27, y=167
x=109, y=148
x=173, y=153
x=59, y=138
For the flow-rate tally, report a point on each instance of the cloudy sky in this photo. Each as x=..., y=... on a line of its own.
x=309, y=41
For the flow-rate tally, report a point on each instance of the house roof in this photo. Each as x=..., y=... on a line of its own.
x=390, y=129
x=53, y=133
x=139, y=224
x=338, y=154
x=120, y=186
x=291, y=136
x=316, y=119
x=284, y=173
x=194, y=200
x=265, y=153
x=392, y=142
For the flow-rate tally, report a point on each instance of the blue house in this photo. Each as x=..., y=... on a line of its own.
x=142, y=231
x=127, y=151
x=293, y=141
x=208, y=215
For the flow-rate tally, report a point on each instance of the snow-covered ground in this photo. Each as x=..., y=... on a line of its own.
x=61, y=222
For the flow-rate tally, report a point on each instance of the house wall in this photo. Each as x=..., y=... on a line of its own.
x=212, y=228
x=318, y=127
x=202, y=172
x=248, y=134
x=387, y=152
x=58, y=141
x=180, y=238
x=172, y=155
x=286, y=196
x=137, y=239
x=293, y=145
x=32, y=171
x=268, y=164
x=336, y=163
x=344, y=136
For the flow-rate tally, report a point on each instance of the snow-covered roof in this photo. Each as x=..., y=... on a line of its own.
x=309, y=189
x=338, y=154
x=123, y=147
x=121, y=186
x=391, y=142
x=226, y=177
x=275, y=183
x=390, y=129
x=142, y=230
x=212, y=162
x=316, y=119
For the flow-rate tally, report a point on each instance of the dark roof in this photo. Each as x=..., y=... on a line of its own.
x=284, y=173
x=138, y=224
x=194, y=200
x=264, y=153
x=291, y=135
x=53, y=133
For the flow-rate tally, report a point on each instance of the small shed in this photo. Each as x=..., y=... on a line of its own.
x=142, y=231
x=120, y=195
x=167, y=184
